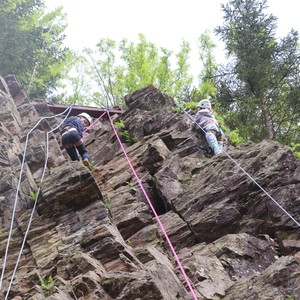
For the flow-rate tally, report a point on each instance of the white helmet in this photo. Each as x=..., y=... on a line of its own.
x=87, y=117
x=205, y=103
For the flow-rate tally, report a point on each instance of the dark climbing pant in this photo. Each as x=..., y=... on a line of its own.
x=71, y=141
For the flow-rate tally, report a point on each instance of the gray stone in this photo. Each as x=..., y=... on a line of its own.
x=96, y=232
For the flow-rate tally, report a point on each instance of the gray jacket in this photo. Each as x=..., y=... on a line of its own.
x=203, y=118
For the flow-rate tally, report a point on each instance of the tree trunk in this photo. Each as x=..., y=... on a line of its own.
x=267, y=119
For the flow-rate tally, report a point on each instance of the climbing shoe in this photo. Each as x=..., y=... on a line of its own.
x=87, y=164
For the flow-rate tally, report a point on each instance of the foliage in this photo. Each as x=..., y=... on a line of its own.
x=51, y=57
x=79, y=91
x=296, y=149
x=189, y=105
x=234, y=137
x=125, y=136
x=33, y=195
x=114, y=70
x=259, y=88
x=31, y=44
x=206, y=46
x=108, y=202
x=102, y=77
x=47, y=283
x=208, y=84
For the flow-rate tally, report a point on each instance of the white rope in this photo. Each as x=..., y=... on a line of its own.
x=246, y=173
x=17, y=193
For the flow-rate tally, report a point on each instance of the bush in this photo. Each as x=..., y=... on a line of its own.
x=296, y=149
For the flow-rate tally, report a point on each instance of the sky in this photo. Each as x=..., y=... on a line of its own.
x=163, y=22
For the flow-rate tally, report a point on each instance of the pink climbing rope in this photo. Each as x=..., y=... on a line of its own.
x=153, y=210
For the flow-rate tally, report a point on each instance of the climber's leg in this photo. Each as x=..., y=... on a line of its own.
x=212, y=142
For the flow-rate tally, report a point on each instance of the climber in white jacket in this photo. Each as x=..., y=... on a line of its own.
x=206, y=120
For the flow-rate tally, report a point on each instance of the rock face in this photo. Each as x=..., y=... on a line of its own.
x=94, y=235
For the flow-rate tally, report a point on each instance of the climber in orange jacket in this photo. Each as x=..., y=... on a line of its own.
x=72, y=132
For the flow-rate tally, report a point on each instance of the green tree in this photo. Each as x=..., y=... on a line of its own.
x=106, y=74
x=31, y=44
x=115, y=70
x=51, y=55
x=207, y=80
x=259, y=89
x=75, y=86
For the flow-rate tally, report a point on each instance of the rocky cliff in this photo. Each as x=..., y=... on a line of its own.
x=93, y=234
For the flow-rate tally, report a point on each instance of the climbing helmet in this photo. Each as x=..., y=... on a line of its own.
x=205, y=103
x=86, y=116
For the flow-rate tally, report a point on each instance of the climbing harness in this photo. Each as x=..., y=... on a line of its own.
x=246, y=173
x=35, y=202
x=218, y=134
x=68, y=146
x=67, y=130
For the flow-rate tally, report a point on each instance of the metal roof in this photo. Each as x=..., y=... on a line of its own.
x=94, y=112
